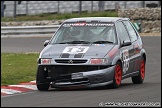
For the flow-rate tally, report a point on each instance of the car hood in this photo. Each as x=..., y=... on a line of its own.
x=76, y=50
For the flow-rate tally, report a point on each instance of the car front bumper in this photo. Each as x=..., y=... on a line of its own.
x=87, y=79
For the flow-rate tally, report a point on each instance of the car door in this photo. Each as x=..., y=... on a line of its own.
x=126, y=51
x=136, y=44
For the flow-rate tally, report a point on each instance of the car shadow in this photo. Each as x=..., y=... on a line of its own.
x=122, y=86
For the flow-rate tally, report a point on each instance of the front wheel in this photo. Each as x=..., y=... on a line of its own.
x=41, y=82
x=140, y=78
x=117, y=76
x=43, y=87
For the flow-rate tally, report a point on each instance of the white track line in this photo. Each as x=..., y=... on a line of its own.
x=9, y=91
x=33, y=81
x=12, y=91
x=32, y=87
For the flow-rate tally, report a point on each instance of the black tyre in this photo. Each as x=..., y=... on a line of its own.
x=140, y=78
x=117, y=76
x=41, y=81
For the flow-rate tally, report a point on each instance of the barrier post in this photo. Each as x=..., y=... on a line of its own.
x=137, y=26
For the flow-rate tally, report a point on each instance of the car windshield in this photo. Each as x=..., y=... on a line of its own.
x=79, y=33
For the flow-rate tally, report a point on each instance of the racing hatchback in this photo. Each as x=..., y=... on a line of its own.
x=91, y=52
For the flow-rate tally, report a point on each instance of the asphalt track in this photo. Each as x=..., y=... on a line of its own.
x=149, y=91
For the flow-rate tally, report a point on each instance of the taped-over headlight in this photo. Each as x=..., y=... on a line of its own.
x=46, y=61
x=98, y=61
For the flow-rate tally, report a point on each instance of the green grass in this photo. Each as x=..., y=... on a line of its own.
x=18, y=67
x=49, y=16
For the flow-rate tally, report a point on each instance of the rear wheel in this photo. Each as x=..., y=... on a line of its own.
x=140, y=78
x=42, y=83
x=117, y=76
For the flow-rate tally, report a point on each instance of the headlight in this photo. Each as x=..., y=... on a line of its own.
x=98, y=61
x=46, y=61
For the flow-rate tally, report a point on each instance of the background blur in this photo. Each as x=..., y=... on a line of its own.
x=14, y=8
x=145, y=15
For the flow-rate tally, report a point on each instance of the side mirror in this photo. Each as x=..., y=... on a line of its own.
x=46, y=43
x=126, y=43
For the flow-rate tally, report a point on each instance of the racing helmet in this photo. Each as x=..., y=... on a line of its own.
x=75, y=31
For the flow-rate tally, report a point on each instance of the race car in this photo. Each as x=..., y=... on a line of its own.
x=91, y=52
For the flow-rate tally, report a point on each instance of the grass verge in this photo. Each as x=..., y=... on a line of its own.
x=18, y=67
x=52, y=16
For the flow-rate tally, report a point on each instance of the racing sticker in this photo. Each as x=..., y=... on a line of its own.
x=78, y=51
x=125, y=60
x=87, y=24
x=99, y=44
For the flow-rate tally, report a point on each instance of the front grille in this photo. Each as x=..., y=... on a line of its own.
x=64, y=72
x=70, y=61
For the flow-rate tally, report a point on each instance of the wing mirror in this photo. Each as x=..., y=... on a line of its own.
x=46, y=43
x=126, y=43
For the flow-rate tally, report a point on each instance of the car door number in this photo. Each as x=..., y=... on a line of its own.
x=125, y=60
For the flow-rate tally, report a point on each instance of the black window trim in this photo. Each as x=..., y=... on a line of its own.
x=134, y=30
x=126, y=30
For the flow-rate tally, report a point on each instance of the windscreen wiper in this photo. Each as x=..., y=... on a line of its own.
x=102, y=42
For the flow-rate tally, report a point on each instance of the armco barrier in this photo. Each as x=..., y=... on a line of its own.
x=19, y=30
x=40, y=31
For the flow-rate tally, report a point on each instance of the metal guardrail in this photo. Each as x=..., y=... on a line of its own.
x=19, y=30
x=35, y=31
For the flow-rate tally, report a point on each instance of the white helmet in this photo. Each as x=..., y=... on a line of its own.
x=75, y=31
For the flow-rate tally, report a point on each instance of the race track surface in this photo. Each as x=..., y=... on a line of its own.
x=149, y=91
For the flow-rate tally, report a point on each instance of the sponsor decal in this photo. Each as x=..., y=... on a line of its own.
x=87, y=24
x=137, y=48
x=112, y=52
x=99, y=44
x=125, y=59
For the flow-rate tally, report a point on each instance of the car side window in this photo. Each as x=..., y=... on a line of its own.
x=122, y=32
x=131, y=31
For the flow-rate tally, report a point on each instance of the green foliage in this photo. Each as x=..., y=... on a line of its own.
x=55, y=16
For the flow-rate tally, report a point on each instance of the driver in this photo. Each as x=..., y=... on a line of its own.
x=73, y=34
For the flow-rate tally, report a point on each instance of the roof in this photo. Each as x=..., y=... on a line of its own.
x=101, y=19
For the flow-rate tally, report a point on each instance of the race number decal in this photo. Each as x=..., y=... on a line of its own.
x=125, y=60
x=75, y=49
